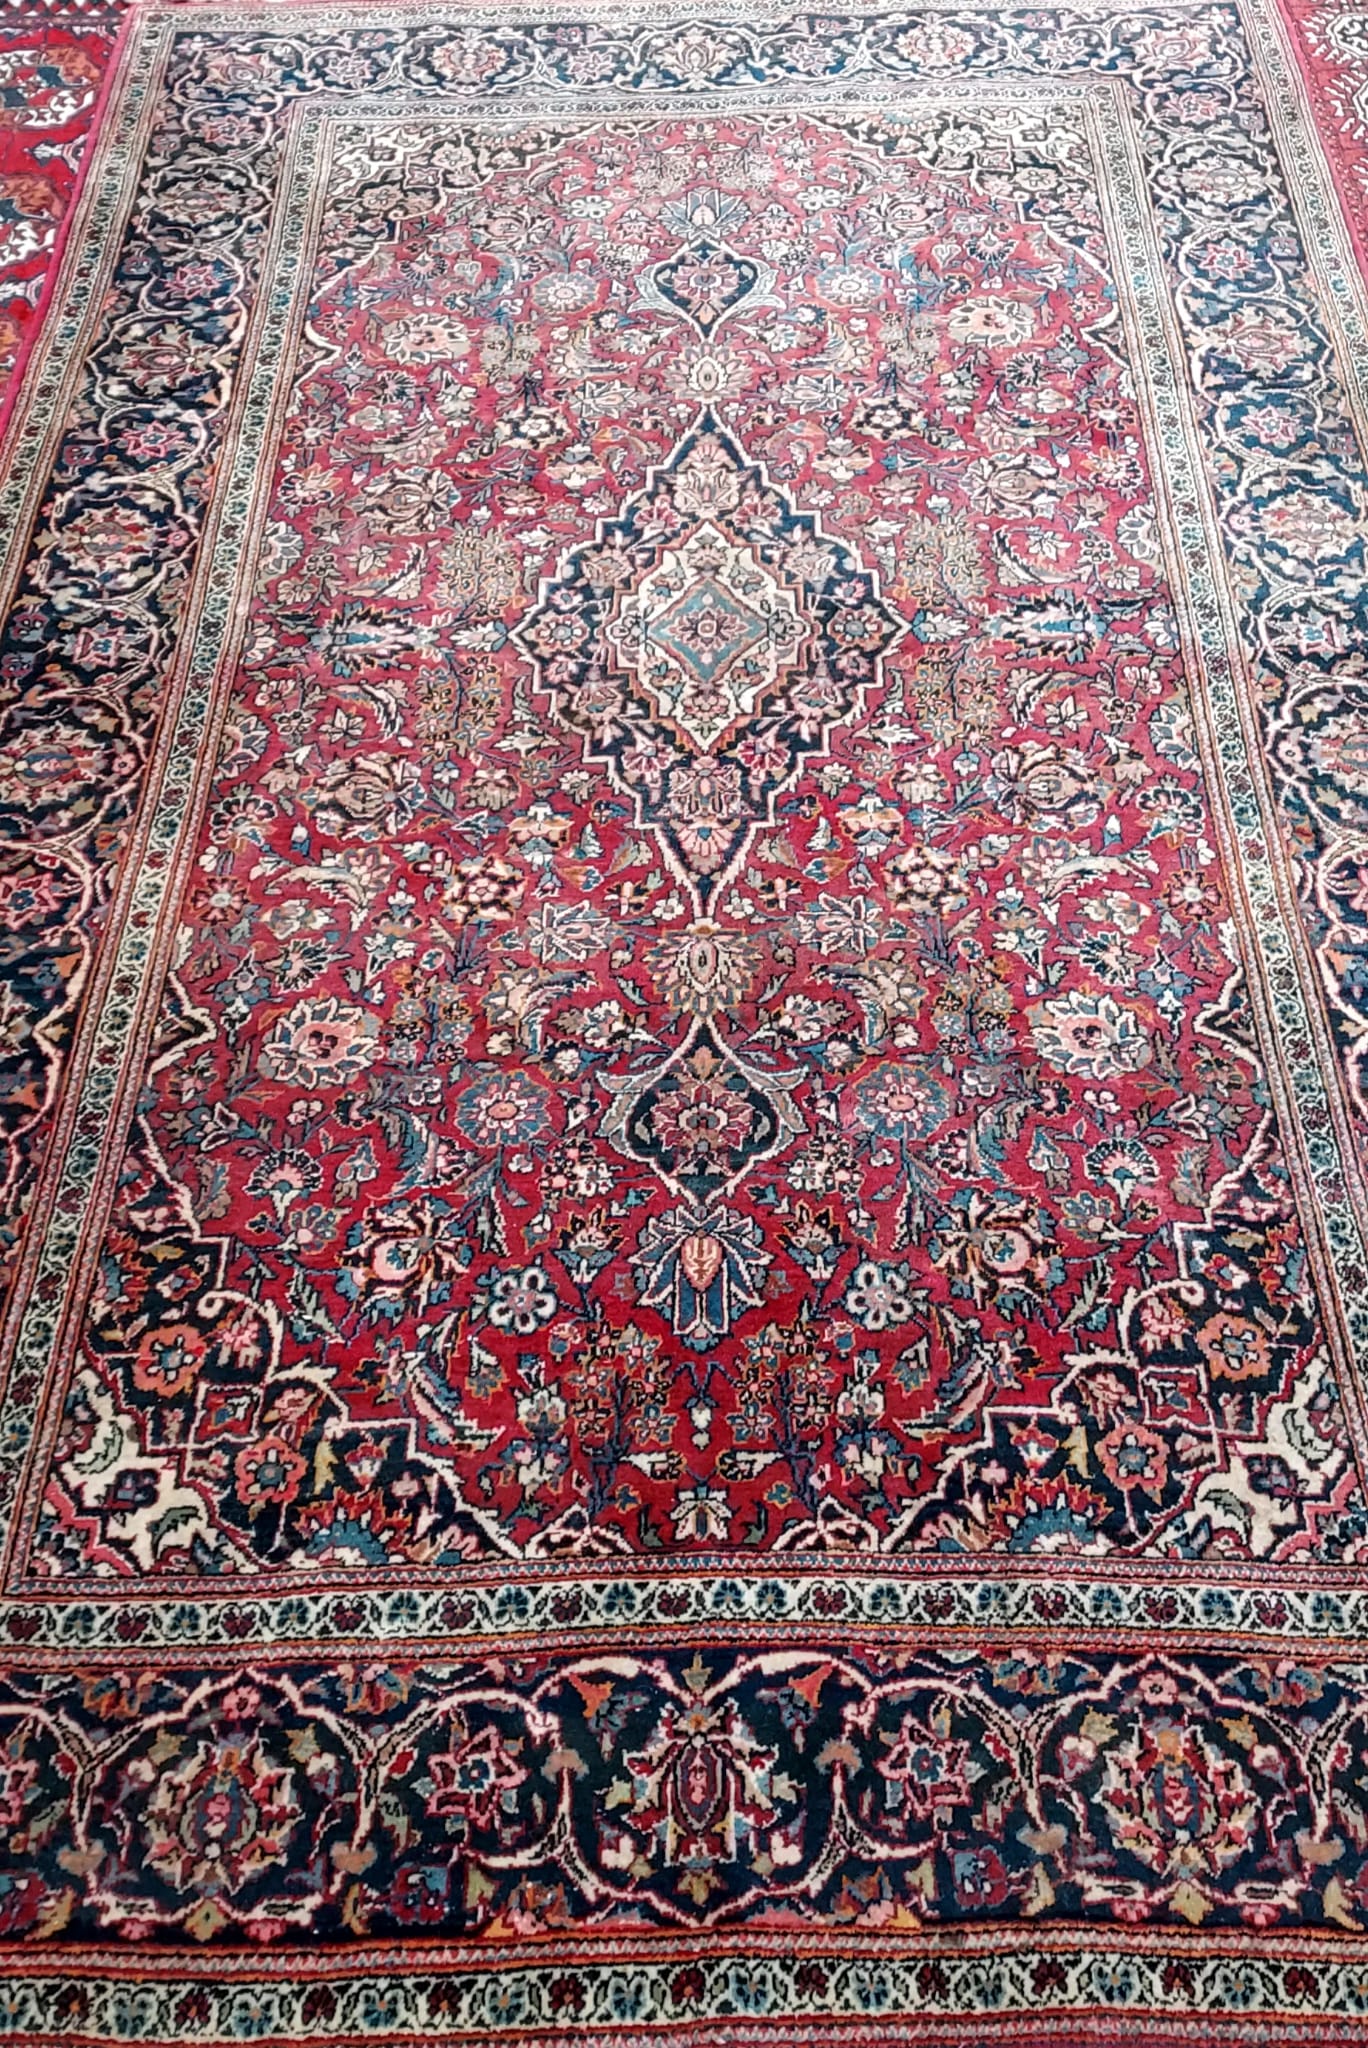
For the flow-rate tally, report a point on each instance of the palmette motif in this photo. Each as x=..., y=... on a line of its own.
x=714, y=1026
x=519, y=1794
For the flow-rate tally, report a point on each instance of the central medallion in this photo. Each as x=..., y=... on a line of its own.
x=703, y=645
x=707, y=631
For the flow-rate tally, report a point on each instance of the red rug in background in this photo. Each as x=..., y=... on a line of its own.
x=52, y=63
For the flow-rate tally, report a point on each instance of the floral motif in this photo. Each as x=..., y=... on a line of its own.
x=223, y=1817
x=319, y=1043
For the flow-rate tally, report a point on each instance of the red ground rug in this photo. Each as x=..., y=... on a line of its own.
x=52, y=62
x=684, y=902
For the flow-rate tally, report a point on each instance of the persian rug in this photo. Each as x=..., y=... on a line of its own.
x=685, y=896
x=52, y=61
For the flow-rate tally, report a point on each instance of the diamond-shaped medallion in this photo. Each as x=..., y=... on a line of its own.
x=704, y=644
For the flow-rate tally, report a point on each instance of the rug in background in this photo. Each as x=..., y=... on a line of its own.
x=52, y=61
